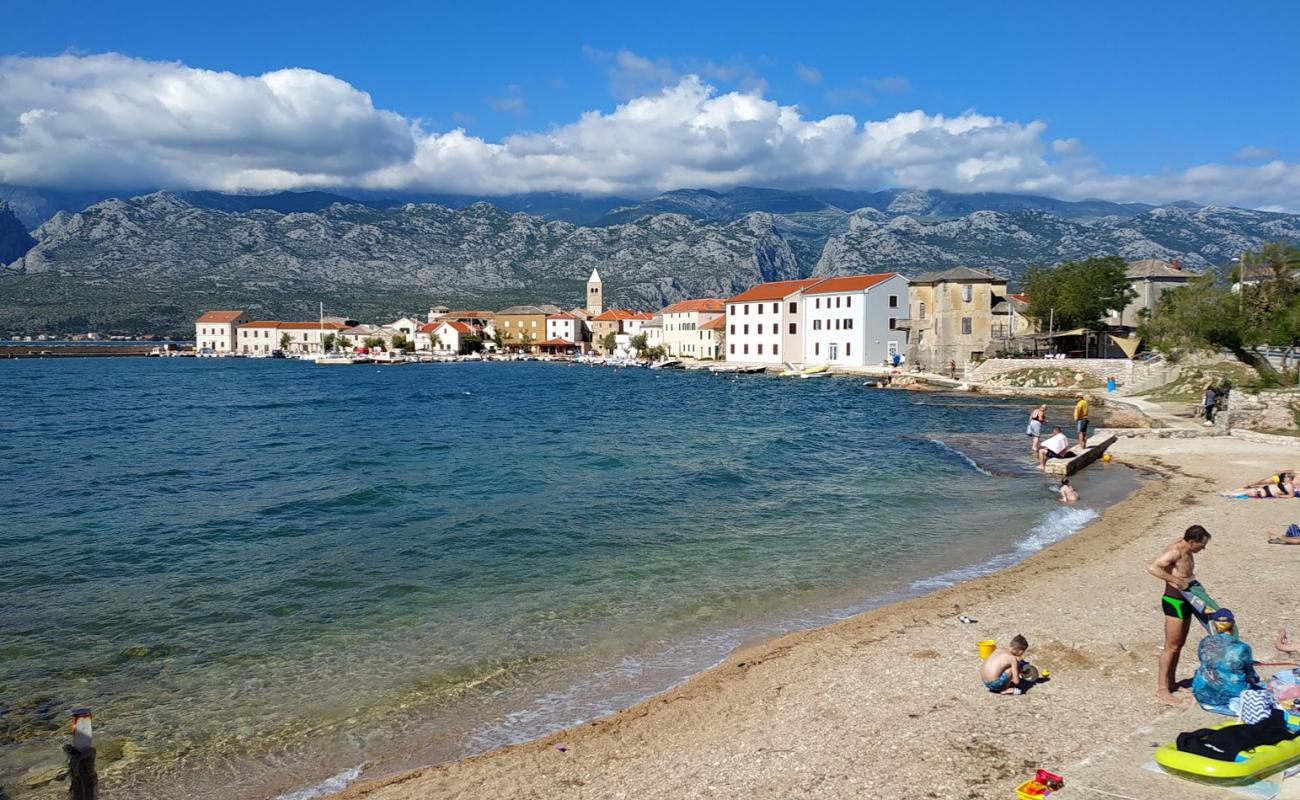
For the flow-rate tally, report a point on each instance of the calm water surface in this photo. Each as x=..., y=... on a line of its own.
x=262, y=573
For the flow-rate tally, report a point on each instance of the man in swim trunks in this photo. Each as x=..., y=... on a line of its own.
x=1176, y=566
x=1054, y=446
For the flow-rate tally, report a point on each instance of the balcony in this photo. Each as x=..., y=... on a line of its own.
x=903, y=324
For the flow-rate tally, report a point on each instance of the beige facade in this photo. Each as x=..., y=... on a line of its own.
x=1150, y=278
x=614, y=321
x=952, y=318
x=683, y=320
x=711, y=336
x=522, y=327
x=595, y=294
x=214, y=332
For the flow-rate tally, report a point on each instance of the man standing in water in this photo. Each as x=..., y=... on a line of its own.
x=1177, y=568
x=1081, y=420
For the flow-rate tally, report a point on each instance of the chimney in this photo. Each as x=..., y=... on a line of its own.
x=1174, y=264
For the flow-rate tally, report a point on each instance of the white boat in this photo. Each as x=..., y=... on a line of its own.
x=805, y=375
x=332, y=360
x=667, y=363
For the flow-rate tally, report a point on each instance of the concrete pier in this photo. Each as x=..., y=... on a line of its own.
x=1081, y=458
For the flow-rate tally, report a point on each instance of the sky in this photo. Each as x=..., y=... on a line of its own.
x=1152, y=102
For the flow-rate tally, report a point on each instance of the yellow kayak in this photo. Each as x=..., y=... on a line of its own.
x=1254, y=763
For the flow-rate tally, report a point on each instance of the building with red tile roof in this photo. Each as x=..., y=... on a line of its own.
x=681, y=323
x=214, y=331
x=852, y=320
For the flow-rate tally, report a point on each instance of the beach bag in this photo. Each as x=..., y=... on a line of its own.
x=1256, y=705
x=1293, y=530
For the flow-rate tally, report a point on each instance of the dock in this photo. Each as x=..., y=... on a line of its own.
x=1081, y=459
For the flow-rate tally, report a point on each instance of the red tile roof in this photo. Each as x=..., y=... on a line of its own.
x=262, y=323
x=713, y=304
x=460, y=327
x=713, y=324
x=220, y=316
x=312, y=326
x=774, y=290
x=555, y=343
x=478, y=314
x=1024, y=298
x=561, y=315
x=849, y=283
x=646, y=315
x=614, y=315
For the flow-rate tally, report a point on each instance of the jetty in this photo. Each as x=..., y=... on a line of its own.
x=1072, y=464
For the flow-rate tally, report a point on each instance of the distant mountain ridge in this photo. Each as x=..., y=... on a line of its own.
x=151, y=263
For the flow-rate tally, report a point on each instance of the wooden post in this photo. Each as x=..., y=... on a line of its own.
x=83, y=782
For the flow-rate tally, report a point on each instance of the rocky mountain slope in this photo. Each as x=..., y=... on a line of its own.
x=14, y=238
x=152, y=262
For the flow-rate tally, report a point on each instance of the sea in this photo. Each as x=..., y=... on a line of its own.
x=267, y=578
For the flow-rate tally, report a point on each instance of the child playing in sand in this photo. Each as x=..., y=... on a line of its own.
x=1001, y=670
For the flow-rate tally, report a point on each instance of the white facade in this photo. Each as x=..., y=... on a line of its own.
x=259, y=338
x=564, y=326
x=682, y=322
x=850, y=323
x=215, y=331
x=765, y=323
x=407, y=326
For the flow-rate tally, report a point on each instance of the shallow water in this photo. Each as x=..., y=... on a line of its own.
x=263, y=573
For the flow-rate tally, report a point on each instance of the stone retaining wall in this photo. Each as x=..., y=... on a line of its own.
x=1122, y=369
x=1269, y=410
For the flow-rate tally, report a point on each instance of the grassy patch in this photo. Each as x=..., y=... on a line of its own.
x=1189, y=386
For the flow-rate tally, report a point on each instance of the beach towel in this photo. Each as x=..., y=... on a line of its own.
x=1256, y=705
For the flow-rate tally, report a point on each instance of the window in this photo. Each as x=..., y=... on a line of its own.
x=733, y=349
x=794, y=308
x=760, y=349
x=817, y=348
x=793, y=328
x=893, y=323
x=731, y=310
x=848, y=349
x=733, y=329
x=848, y=302
x=893, y=301
x=966, y=292
x=817, y=303
x=817, y=324
x=837, y=324
x=776, y=308
x=747, y=309
x=775, y=350
x=920, y=311
x=965, y=326
x=848, y=324
x=760, y=308
x=746, y=349
x=746, y=330
x=837, y=302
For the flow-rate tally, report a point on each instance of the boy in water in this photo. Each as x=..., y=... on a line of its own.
x=1001, y=670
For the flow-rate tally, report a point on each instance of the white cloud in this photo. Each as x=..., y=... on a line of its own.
x=808, y=74
x=114, y=121
x=1252, y=153
x=892, y=83
x=512, y=101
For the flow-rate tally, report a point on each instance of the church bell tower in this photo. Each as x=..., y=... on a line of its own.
x=595, y=294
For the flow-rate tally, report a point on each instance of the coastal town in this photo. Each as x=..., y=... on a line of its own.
x=944, y=321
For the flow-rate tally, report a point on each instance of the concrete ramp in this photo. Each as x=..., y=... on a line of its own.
x=1081, y=458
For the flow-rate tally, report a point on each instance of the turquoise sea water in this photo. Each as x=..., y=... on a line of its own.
x=263, y=573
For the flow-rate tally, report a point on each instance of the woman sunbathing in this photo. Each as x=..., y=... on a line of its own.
x=1284, y=488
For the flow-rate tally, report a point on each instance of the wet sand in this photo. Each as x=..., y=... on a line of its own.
x=888, y=704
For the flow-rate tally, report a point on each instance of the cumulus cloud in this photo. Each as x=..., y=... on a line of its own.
x=1252, y=153
x=117, y=122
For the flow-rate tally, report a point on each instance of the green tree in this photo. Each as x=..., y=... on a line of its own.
x=471, y=344
x=656, y=353
x=1078, y=294
x=609, y=341
x=329, y=341
x=638, y=343
x=1209, y=313
x=375, y=342
x=285, y=341
x=499, y=339
x=526, y=340
x=399, y=342
x=344, y=342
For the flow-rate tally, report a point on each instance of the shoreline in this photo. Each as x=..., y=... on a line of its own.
x=777, y=718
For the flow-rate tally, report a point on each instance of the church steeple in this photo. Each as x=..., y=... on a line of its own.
x=595, y=294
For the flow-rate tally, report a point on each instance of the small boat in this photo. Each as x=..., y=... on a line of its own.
x=820, y=374
x=333, y=360
x=724, y=369
x=752, y=370
x=667, y=363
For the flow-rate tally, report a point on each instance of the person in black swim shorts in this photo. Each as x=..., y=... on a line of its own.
x=1176, y=566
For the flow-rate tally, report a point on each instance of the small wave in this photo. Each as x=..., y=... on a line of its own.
x=972, y=462
x=1058, y=524
x=330, y=785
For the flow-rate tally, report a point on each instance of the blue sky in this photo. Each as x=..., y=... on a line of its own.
x=1139, y=99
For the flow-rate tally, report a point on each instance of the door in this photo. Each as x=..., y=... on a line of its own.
x=834, y=351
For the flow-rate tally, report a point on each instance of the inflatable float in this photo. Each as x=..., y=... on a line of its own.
x=1250, y=765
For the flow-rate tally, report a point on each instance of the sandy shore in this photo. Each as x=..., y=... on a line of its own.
x=888, y=704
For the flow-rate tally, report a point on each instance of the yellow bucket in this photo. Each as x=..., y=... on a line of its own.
x=987, y=646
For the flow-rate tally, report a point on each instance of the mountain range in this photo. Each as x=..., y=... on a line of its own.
x=151, y=263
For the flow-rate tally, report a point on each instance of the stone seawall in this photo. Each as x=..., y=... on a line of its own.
x=1123, y=370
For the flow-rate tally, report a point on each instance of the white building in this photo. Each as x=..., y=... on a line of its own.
x=307, y=337
x=765, y=323
x=407, y=326
x=681, y=322
x=654, y=332
x=214, y=331
x=444, y=336
x=259, y=337
x=564, y=326
x=850, y=320
x=633, y=324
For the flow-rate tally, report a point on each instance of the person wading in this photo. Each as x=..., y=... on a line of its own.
x=1176, y=566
